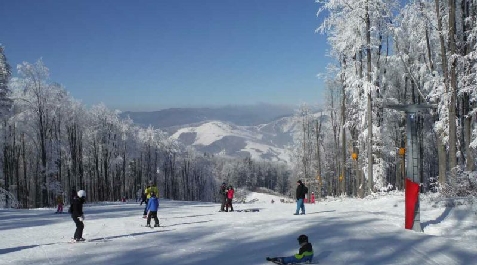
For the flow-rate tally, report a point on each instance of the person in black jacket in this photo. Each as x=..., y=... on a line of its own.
x=77, y=215
x=143, y=198
x=300, y=197
x=223, y=196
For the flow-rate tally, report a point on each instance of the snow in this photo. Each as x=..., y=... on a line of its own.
x=342, y=231
x=212, y=131
x=257, y=149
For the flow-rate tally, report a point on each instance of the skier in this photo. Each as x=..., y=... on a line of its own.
x=301, y=190
x=305, y=253
x=223, y=196
x=152, y=207
x=59, y=201
x=77, y=215
x=143, y=198
x=150, y=188
x=230, y=196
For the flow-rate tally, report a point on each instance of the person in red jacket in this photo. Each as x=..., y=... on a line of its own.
x=230, y=196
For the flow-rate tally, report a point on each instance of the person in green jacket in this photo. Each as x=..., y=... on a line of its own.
x=150, y=188
x=305, y=253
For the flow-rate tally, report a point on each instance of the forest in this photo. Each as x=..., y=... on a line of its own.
x=385, y=52
x=403, y=53
x=52, y=144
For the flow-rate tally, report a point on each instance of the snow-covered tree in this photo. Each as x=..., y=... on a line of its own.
x=5, y=74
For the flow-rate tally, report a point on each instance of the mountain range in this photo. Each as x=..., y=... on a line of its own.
x=261, y=131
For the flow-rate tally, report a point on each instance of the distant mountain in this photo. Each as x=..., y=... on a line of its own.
x=258, y=131
x=239, y=115
x=265, y=141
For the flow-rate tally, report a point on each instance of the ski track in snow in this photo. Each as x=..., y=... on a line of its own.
x=342, y=231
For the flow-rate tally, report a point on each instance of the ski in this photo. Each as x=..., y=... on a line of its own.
x=152, y=227
x=73, y=241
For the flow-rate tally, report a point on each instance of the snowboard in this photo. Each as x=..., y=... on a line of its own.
x=281, y=263
x=248, y=210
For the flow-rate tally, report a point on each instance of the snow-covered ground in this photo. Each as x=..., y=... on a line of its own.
x=343, y=231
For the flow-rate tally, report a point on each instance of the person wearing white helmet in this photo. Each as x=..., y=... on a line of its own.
x=77, y=215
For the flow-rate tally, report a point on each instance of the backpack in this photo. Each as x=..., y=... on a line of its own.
x=305, y=189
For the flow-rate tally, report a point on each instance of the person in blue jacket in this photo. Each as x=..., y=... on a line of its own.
x=152, y=207
x=305, y=253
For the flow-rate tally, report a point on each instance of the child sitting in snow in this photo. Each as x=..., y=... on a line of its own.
x=305, y=253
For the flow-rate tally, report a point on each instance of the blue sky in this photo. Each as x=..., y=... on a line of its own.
x=156, y=54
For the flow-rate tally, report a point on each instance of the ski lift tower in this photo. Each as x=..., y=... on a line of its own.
x=413, y=178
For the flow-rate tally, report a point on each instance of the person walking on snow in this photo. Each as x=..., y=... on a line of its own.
x=152, y=207
x=223, y=196
x=305, y=253
x=301, y=190
x=230, y=196
x=77, y=215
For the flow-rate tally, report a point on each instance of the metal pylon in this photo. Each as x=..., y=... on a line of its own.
x=412, y=171
x=413, y=157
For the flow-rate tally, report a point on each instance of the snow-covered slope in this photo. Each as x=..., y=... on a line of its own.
x=343, y=232
x=265, y=141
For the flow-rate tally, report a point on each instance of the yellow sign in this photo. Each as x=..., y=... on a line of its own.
x=402, y=151
x=341, y=178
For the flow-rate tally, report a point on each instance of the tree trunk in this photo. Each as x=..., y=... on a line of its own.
x=318, y=155
x=468, y=24
x=369, y=106
x=452, y=88
x=440, y=145
x=343, y=138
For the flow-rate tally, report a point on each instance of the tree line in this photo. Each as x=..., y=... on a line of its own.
x=420, y=53
x=52, y=145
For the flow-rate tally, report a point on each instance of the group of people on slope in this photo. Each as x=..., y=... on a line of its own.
x=226, y=195
x=305, y=253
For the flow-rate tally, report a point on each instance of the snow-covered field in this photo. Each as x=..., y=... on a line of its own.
x=343, y=231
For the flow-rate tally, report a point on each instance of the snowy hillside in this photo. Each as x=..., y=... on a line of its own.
x=343, y=232
x=265, y=141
